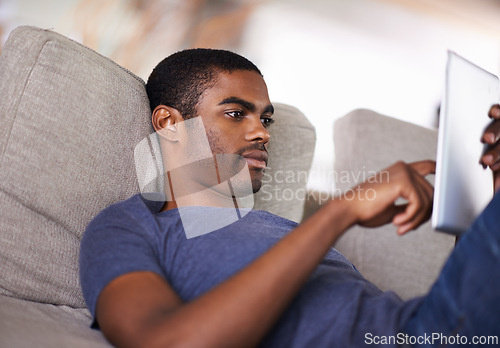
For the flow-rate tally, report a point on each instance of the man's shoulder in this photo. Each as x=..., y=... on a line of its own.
x=265, y=215
x=266, y=218
x=132, y=209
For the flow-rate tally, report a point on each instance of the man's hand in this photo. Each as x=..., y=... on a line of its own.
x=374, y=205
x=491, y=136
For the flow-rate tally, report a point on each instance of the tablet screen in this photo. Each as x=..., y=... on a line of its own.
x=462, y=187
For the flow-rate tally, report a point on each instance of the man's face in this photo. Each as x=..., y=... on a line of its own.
x=236, y=112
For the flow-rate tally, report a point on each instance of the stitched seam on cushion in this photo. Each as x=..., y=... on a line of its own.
x=15, y=108
x=60, y=45
x=62, y=37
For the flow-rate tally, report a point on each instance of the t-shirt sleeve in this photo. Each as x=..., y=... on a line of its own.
x=114, y=244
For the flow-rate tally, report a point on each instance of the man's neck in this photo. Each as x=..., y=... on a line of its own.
x=208, y=197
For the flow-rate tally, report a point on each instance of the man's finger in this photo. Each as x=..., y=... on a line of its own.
x=424, y=167
x=414, y=205
x=494, y=112
x=491, y=134
x=418, y=208
x=419, y=217
x=491, y=156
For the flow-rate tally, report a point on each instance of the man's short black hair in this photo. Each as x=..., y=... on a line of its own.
x=180, y=79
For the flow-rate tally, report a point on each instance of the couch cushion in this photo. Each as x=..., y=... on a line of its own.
x=291, y=149
x=70, y=120
x=365, y=142
x=31, y=324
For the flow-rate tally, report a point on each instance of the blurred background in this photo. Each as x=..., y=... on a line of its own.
x=326, y=57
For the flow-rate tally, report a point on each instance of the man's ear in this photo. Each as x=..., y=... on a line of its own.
x=165, y=119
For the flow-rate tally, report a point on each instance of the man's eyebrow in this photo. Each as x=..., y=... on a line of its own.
x=246, y=104
x=236, y=100
x=269, y=109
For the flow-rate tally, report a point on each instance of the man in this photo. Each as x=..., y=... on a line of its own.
x=264, y=280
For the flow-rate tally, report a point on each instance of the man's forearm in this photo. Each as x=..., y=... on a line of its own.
x=241, y=310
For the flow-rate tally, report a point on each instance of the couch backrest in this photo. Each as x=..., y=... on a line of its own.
x=365, y=142
x=70, y=119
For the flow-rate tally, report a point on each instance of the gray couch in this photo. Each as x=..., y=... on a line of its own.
x=70, y=120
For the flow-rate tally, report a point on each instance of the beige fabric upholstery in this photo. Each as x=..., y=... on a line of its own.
x=32, y=324
x=291, y=150
x=365, y=142
x=70, y=119
x=70, y=122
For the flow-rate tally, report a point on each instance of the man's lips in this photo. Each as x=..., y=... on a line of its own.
x=256, y=158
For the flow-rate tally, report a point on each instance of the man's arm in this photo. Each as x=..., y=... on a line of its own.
x=141, y=309
x=491, y=137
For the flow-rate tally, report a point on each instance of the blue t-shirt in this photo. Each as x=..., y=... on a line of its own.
x=336, y=305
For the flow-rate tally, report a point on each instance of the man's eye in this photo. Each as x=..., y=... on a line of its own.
x=235, y=114
x=267, y=121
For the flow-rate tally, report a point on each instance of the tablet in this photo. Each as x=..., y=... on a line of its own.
x=462, y=186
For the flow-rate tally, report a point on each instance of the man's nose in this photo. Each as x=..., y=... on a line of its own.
x=257, y=132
